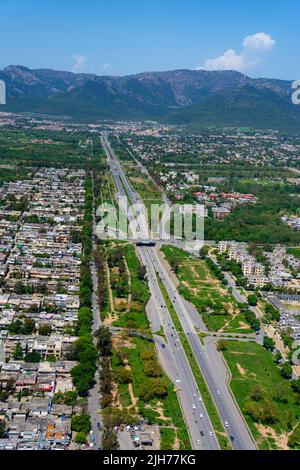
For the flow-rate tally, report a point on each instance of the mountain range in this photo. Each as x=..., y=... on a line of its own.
x=196, y=98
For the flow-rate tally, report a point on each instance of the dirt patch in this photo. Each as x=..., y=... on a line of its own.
x=120, y=304
x=122, y=342
x=238, y=353
x=296, y=370
x=272, y=333
x=132, y=397
x=243, y=325
x=240, y=369
x=116, y=397
x=281, y=440
x=109, y=319
x=176, y=444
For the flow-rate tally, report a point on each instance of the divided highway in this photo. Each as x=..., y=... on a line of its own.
x=197, y=419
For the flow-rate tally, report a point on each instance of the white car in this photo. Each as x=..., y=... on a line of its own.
x=226, y=424
x=211, y=434
x=194, y=407
x=200, y=399
x=201, y=415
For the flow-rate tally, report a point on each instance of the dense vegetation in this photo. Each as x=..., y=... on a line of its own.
x=84, y=351
x=260, y=223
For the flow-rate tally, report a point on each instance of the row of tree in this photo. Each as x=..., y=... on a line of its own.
x=84, y=350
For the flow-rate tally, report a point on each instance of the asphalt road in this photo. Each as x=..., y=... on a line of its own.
x=210, y=362
x=215, y=376
x=171, y=352
x=177, y=366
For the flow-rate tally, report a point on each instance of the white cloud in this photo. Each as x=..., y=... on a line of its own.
x=80, y=63
x=260, y=41
x=253, y=53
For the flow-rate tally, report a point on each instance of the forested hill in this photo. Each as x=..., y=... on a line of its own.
x=193, y=97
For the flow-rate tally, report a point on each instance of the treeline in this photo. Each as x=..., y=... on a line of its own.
x=216, y=270
x=235, y=268
x=99, y=259
x=104, y=344
x=260, y=223
x=250, y=317
x=51, y=149
x=83, y=350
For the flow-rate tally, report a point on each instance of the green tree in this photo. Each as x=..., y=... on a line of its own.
x=269, y=344
x=221, y=345
x=257, y=393
x=252, y=300
x=104, y=341
x=81, y=423
x=18, y=352
x=286, y=371
x=80, y=438
x=33, y=357
x=2, y=428
x=28, y=327
x=45, y=330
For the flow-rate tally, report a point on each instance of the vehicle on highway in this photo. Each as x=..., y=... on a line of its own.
x=232, y=438
x=201, y=415
x=201, y=433
x=226, y=424
x=194, y=407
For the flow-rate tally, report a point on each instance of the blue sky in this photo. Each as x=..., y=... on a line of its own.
x=120, y=37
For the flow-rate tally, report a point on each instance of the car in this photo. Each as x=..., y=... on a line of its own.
x=201, y=433
x=198, y=442
x=231, y=438
x=200, y=399
x=226, y=424
x=201, y=415
x=194, y=407
x=211, y=434
x=218, y=392
x=163, y=346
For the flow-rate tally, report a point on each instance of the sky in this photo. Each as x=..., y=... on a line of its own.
x=121, y=37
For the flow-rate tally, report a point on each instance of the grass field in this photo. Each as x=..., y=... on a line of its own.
x=213, y=301
x=266, y=399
